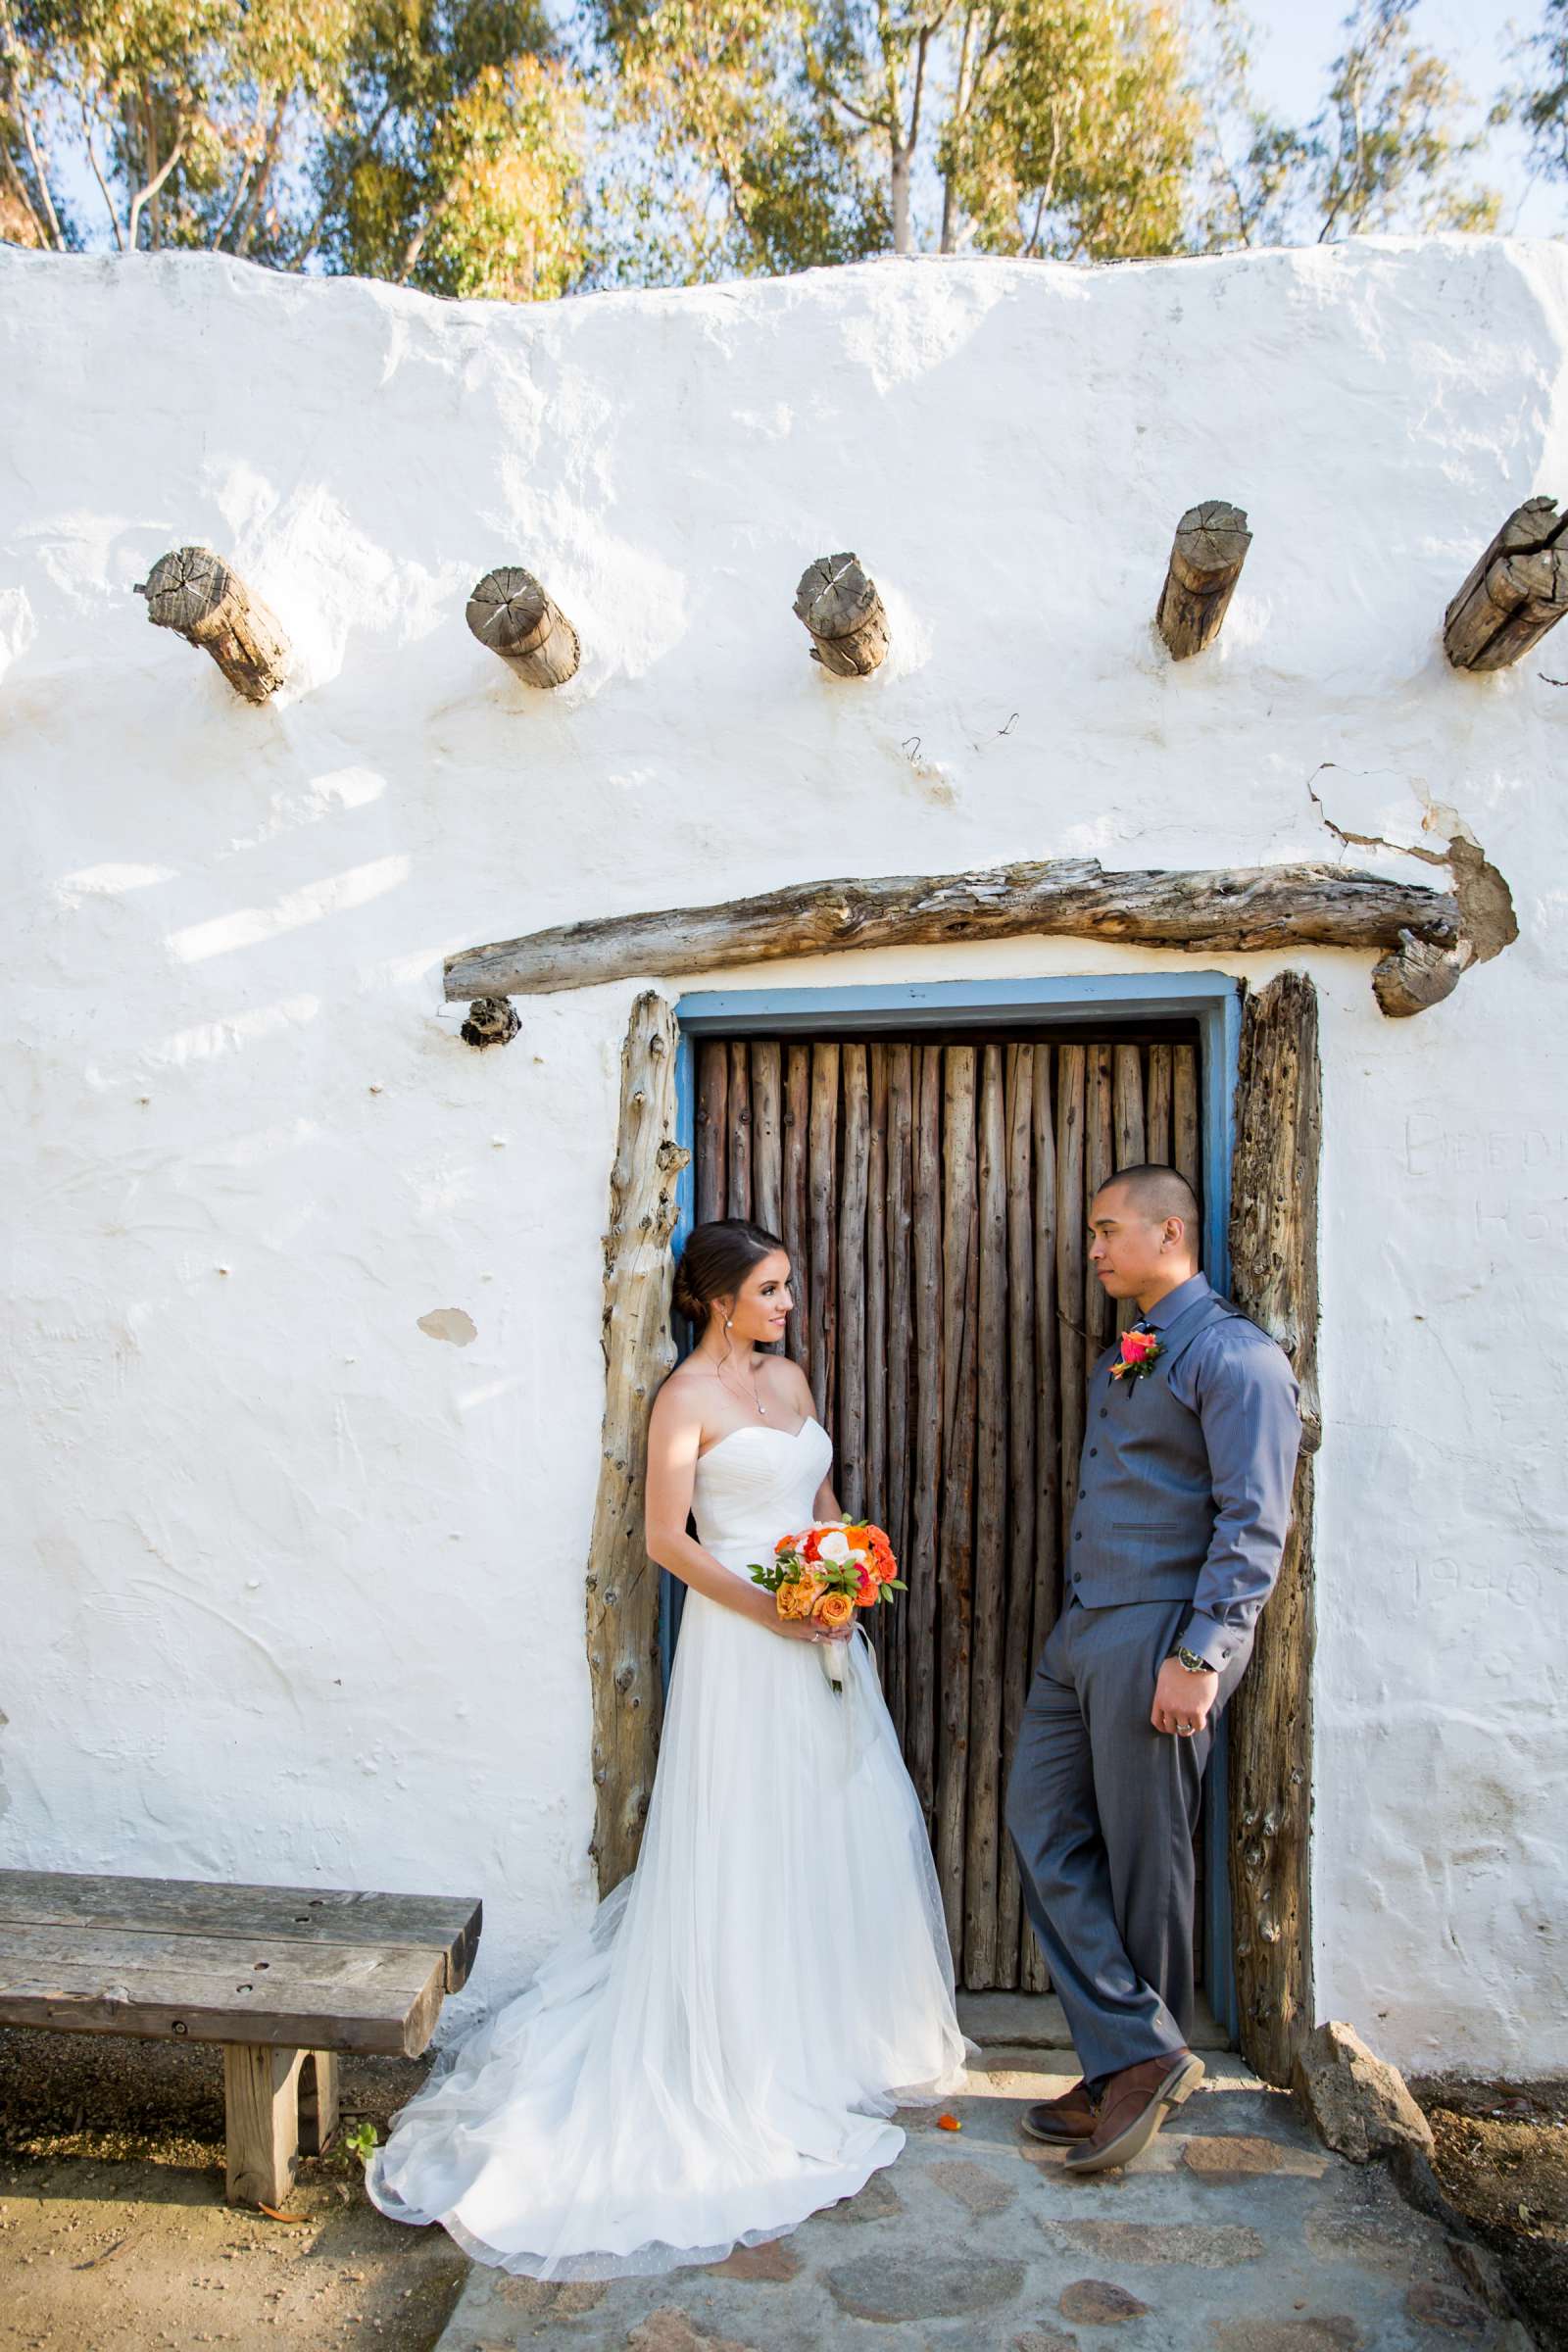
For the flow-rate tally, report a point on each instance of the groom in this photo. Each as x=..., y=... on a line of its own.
x=1184, y=1503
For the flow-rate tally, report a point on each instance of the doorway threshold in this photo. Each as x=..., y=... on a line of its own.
x=1036, y=2021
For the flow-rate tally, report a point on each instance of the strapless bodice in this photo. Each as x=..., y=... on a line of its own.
x=756, y=1484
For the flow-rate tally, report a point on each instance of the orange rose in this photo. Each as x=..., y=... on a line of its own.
x=834, y=1610
x=868, y=1590
x=796, y=1597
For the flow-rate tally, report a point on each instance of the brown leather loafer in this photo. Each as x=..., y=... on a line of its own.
x=1061, y=2122
x=1131, y=2107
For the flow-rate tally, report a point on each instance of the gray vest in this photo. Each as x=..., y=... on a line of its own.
x=1144, y=1514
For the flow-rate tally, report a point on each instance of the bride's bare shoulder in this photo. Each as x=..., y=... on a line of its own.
x=677, y=1401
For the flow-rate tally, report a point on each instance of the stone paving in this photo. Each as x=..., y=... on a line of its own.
x=1234, y=2232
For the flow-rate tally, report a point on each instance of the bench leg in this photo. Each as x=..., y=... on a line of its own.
x=261, y=2101
x=318, y=2095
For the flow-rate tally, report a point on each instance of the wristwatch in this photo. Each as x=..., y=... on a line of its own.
x=1192, y=1661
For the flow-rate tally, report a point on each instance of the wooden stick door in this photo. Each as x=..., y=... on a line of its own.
x=933, y=1199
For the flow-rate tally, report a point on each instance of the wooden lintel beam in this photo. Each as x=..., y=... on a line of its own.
x=1234, y=910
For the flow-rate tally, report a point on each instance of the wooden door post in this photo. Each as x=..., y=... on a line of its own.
x=639, y=1349
x=1273, y=1238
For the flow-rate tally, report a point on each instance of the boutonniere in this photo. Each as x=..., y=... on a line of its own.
x=1139, y=1352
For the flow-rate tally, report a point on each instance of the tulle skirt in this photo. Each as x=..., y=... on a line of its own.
x=716, y=2052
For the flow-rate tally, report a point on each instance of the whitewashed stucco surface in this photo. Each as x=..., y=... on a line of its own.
x=294, y=1590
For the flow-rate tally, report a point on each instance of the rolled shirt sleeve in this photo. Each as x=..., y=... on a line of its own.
x=1246, y=1396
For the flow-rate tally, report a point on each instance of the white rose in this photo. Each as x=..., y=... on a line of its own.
x=835, y=1547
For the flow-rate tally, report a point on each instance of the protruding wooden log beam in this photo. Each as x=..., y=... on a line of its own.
x=1515, y=592
x=509, y=613
x=1236, y=909
x=1205, y=563
x=491, y=1021
x=195, y=592
x=843, y=613
x=1418, y=973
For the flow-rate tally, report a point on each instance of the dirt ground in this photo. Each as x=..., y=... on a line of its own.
x=114, y=2234
x=1502, y=2159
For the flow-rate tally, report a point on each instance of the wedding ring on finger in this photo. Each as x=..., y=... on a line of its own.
x=1186, y=1729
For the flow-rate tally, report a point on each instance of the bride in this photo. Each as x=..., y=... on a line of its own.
x=717, y=2052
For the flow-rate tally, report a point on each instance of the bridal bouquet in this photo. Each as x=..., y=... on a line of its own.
x=829, y=1571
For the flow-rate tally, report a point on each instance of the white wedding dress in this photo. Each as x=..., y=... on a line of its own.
x=716, y=2052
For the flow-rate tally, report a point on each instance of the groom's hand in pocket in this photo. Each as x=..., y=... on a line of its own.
x=1182, y=1697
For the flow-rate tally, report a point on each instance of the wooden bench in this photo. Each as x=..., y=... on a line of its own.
x=283, y=1977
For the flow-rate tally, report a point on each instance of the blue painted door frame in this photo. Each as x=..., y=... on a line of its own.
x=903, y=1007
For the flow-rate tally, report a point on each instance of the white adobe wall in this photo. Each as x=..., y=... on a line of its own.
x=294, y=1590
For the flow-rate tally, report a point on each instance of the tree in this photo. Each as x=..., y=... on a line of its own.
x=1542, y=108
x=1381, y=153
x=450, y=155
x=1072, y=132
x=720, y=157
x=435, y=142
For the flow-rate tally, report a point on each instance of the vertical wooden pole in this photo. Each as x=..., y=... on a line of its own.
x=1158, y=1125
x=740, y=1130
x=713, y=1127
x=1033, y=1974
x=821, y=1177
x=961, y=1367
x=921, y=1600
x=901, y=1338
x=850, y=1480
x=876, y=1330
x=767, y=1138
x=1127, y=1112
x=621, y=1582
x=988, y=1618
x=796, y=1230
x=1099, y=1313
x=1274, y=1255
x=1071, y=1350
x=1022, y=1406
x=1184, y=1131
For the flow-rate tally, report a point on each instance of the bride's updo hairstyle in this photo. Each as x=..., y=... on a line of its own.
x=717, y=1259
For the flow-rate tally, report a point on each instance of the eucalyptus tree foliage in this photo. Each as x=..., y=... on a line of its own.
x=1540, y=101
x=1384, y=151
x=435, y=142
x=721, y=158
x=527, y=148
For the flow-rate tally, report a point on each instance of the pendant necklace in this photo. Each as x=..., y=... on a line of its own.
x=755, y=1399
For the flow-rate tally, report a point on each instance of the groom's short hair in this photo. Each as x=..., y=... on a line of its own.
x=1156, y=1191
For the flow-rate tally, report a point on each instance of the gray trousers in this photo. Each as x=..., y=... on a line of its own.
x=1102, y=1809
